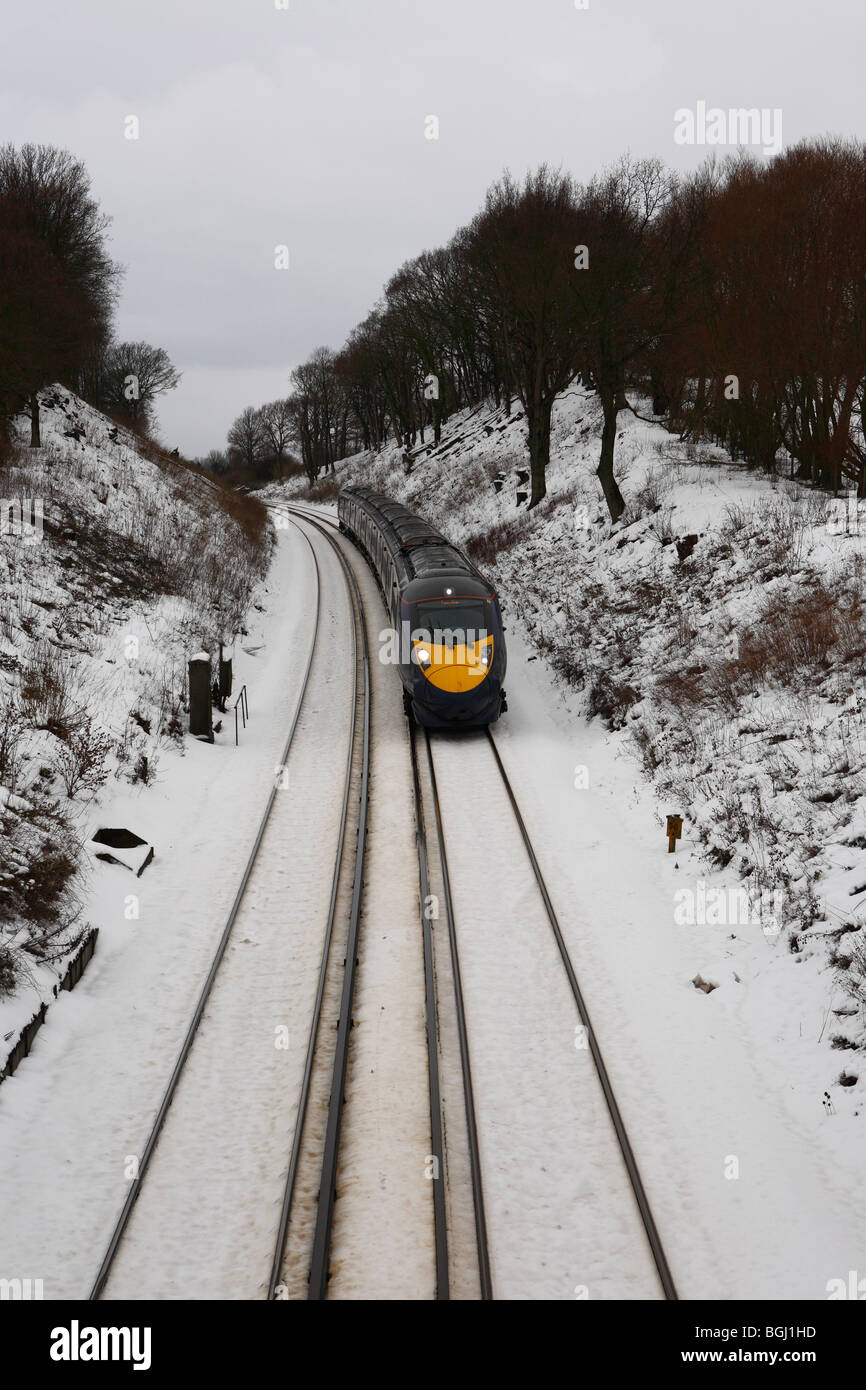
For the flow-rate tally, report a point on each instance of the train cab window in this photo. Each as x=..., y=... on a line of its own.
x=448, y=623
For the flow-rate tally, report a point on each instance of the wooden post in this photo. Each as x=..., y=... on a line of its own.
x=674, y=832
x=200, y=714
x=225, y=675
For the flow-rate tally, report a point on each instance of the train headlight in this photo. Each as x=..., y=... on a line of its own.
x=485, y=656
x=422, y=656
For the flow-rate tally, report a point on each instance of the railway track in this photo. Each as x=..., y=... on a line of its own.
x=301, y=1250
x=325, y=1065
x=630, y=1162
x=435, y=1002
x=437, y=1157
x=152, y=1140
x=436, y=972
x=357, y=771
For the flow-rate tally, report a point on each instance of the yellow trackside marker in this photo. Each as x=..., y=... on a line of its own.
x=674, y=832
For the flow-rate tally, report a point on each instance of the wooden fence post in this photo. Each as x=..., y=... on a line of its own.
x=200, y=712
x=225, y=674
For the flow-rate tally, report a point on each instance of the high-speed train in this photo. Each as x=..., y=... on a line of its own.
x=447, y=636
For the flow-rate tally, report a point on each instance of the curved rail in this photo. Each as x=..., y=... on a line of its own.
x=327, y=1189
x=654, y=1240
x=440, y=1223
x=285, y=1215
x=186, y=1046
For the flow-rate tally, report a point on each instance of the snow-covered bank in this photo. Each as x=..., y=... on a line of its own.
x=724, y=674
x=74, y=1117
x=114, y=567
x=754, y=1188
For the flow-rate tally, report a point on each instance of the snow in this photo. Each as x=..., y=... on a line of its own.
x=205, y=1222
x=701, y=1079
x=382, y=1242
x=97, y=619
x=73, y=1115
x=752, y=1180
x=559, y=1213
x=754, y=1184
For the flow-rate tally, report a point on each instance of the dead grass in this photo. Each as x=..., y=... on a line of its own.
x=793, y=641
x=81, y=760
x=485, y=546
x=611, y=700
x=649, y=498
x=11, y=725
x=49, y=692
x=792, y=644
x=325, y=489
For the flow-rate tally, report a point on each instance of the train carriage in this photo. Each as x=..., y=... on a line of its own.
x=447, y=638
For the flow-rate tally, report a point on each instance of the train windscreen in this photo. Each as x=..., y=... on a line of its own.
x=451, y=624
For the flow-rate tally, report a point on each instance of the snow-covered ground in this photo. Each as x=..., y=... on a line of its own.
x=382, y=1242
x=205, y=1223
x=77, y=1112
x=129, y=566
x=752, y=1182
x=725, y=981
x=754, y=1190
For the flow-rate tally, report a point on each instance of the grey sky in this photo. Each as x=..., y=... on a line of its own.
x=262, y=126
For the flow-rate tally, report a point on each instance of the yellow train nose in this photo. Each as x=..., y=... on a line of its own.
x=458, y=668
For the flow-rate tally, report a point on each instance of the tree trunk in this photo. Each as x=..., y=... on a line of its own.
x=35, y=439
x=612, y=495
x=538, y=419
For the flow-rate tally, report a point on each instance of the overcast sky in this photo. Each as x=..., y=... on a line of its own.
x=305, y=126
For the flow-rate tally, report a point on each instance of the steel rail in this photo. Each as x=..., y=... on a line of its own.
x=327, y=1190
x=306, y=1083
x=652, y=1234
x=186, y=1046
x=483, y=1252
x=437, y=1140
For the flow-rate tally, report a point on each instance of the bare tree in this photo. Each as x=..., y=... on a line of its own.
x=217, y=462
x=617, y=288
x=134, y=375
x=246, y=442
x=521, y=248
x=278, y=430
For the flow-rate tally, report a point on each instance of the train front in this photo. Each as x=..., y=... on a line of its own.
x=453, y=651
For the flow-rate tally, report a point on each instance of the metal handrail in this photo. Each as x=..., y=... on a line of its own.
x=245, y=710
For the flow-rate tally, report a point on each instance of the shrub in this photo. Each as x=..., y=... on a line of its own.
x=10, y=742
x=801, y=638
x=8, y=971
x=48, y=692
x=484, y=547
x=325, y=489
x=611, y=699
x=648, y=498
x=81, y=760
x=144, y=770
